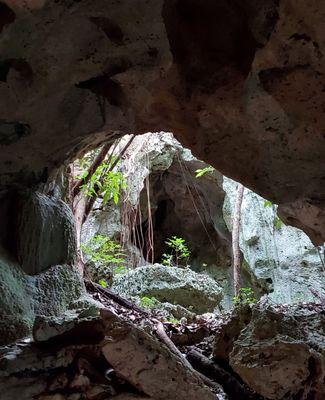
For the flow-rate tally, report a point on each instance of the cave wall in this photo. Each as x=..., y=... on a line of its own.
x=240, y=83
x=38, y=276
x=281, y=259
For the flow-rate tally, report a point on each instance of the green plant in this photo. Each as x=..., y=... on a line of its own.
x=105, y=183
x=180, y=252
x=268, y=203
x=246, y=296
x=277, y=223
x=148, y=302
x=167, y=259
x=103, y=283
x=202, y=171
x=105, y=251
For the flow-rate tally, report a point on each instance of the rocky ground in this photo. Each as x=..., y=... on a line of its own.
x=126, y=352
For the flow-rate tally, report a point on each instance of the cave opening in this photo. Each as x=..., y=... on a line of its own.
x=88, y=309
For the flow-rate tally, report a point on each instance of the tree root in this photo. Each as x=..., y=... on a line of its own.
x=231, y=385
x=161, y=333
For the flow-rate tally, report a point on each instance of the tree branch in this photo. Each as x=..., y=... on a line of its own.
x=91, y=200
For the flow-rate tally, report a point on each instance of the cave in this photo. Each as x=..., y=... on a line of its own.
x=177, y=211
x=240, y=84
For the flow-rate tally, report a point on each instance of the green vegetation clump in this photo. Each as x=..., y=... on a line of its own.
x=202, y=171
x=246, y=296
x=179, y=252
x=148, y=302
x=277, y=223
x=104, y=183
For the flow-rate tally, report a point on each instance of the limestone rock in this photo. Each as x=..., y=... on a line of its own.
x=281, y=352
x=77, y=354
x=46, y=328
x=45, y=233
x=148, y=364
x=171, y=284
x=49, y=293
x=229, y=330
x=175, y=311
x=281, y=259
x=233, y=80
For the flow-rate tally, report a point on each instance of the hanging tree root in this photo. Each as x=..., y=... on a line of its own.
x=231, y=385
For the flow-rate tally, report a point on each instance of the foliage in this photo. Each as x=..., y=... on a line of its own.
x=202, y=171
x=179, y=252
x=268, y=203
x=104, y=183
x=85, y=162
x=103, y=250
x=167, y=259
x=277, y=223
x=246, y=296
x=103, y=283
x=148, y=302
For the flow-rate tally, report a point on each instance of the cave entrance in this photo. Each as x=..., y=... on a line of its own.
x=175, y=209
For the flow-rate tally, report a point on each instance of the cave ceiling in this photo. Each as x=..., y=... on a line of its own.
x=239, y=82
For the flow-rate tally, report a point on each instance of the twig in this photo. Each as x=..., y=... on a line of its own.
x=160, y=330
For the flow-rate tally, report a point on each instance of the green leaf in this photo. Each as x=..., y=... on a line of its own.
x=277, y=223
x=268, y=203
x=103, y=283
x=202, y=171
x=246, y=296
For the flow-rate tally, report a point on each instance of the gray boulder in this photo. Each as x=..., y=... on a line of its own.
x=281, y=352
x=24, y=297
x=45, y=232
x=182, y=286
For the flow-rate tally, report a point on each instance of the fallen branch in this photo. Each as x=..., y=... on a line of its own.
x=161, y=333
x=108, y=293
x=160, y=330
x=231, y=385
